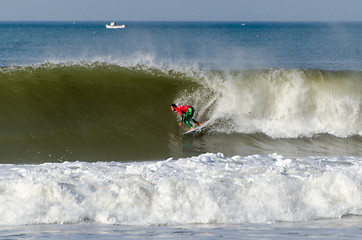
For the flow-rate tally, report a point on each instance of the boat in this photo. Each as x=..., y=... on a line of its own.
x=115, y=26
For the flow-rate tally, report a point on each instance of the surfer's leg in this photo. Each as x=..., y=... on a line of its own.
x=189, y=114
x=188, y=117
x=187, y=121
x=192, y=111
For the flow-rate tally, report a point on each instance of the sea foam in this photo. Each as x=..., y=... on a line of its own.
x=207, y=189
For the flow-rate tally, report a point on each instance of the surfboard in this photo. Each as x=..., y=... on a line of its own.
x=196, y=129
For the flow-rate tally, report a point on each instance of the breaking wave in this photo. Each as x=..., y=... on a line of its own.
x=101, y=110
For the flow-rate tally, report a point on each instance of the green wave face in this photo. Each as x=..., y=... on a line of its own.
x=94, y=112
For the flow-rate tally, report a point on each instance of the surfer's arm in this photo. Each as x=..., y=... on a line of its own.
x=182, y=118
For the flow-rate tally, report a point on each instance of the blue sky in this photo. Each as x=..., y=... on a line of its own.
x=181, y=10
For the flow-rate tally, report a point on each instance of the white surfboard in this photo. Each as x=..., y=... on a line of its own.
x=196, y=129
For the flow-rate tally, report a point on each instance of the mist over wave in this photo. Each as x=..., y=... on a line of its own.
x=104, y=111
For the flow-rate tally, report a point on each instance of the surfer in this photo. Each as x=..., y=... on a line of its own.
x=186, y=112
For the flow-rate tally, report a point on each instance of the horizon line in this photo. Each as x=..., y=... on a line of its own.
x=205, y=21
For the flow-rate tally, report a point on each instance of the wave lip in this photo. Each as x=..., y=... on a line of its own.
x=209, y=188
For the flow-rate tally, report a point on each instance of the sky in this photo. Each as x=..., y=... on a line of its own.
x=181, y=10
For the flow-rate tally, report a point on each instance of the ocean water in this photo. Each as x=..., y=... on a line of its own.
x=90, y=149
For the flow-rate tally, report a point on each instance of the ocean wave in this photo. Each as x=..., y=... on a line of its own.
x=54, y=110
x=205, y=189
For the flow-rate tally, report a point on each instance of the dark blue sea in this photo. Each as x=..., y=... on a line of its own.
x=89, y=148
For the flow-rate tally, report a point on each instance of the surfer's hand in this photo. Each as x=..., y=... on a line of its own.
x=180, y=124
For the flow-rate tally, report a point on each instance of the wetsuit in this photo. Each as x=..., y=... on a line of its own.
x=186, y=112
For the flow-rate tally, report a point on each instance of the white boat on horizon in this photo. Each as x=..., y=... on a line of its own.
x=115, y=26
